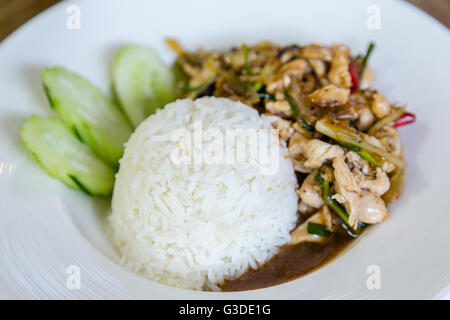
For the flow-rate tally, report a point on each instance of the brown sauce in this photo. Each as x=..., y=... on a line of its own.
x=295, y=261
x=291, y=262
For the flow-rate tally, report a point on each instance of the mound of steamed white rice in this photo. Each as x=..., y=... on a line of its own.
x=193, y=226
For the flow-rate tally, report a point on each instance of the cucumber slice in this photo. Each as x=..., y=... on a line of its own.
x=142, y=82
x=58, y=151
x=95, y=119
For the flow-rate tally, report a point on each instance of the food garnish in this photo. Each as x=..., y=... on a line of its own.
x=142, y=82
x=62, y=155
x=318, y=229
x=94, y=118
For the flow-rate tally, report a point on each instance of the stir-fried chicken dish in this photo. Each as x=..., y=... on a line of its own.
x=341, y=133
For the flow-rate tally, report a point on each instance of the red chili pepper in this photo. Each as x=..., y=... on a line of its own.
x=354, y=76
x=405, y=119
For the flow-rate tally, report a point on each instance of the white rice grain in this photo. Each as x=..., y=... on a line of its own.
x=193, y=226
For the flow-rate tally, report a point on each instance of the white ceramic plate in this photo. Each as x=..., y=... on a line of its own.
x=45, y=227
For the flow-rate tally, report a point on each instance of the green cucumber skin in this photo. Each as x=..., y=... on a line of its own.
x=142, y=82
x=95, y=119
x=59, y=152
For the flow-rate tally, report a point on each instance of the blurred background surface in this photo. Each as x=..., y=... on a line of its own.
x=13, y=13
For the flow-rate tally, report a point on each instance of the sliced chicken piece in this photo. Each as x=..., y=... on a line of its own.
x=358, y=191
x=307, y=84
x=315, y=151
x=302, y=130
x=329, y=96
x=365, y=119
x=287, y=53
x=299, y=164
x=285, y=128
x=310, y=192
x=347, y=186
x=358, y=163
x=380, y=106
x=319, y=67
x=339, y=74
x=274, y=84
x=343, y=176
x=300, y=234
x=315, y=51
x=339, y=198
x=297, y=143
x=280, y=96
x=388, y=167
x=372, y=208
x=389, y=138
x=279, y=108
x=295, y=68
x=380, y=185
x=351, y=204
x=372, y=140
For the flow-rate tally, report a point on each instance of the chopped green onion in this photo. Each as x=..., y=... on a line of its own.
x=350, y=137
x=319, y=179
x=204, y=84
x=350, y=147
x=318, y=229
x=333, y=204
x=376, y=161
x=248, y=71
x=305, y=125
x=259, y=85
x=366, y=57
x=385, y=121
